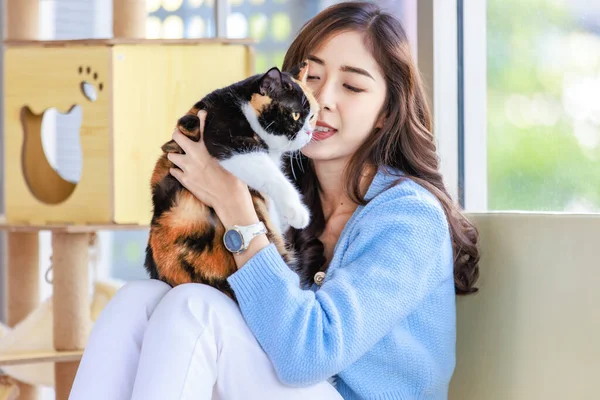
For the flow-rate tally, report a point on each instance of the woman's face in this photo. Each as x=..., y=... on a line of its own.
x=350, y=88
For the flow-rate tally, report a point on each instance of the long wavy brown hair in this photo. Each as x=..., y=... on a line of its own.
x=405, y=141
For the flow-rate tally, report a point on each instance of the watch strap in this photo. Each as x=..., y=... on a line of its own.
x=249, y=232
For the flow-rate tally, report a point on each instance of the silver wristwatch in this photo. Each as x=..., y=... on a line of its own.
x=237, y=238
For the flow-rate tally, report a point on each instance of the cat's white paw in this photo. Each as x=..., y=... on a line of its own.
x=296, y=215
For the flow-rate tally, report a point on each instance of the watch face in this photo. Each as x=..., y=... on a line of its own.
x=233, y=240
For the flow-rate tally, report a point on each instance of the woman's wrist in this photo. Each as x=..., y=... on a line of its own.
x=236, y=208
x=240, y=211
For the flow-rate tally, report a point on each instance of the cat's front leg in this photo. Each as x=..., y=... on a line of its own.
x=260, y=172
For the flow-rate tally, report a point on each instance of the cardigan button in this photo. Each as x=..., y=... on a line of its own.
x=319, y=278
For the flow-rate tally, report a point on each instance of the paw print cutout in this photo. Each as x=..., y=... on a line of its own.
x=89, y=83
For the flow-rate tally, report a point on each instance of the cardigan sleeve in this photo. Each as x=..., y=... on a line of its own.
x=397, y=255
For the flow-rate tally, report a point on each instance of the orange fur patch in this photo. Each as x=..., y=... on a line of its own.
x=161, y=170
x=258, y=102
x=187, y=218
x=188, y=212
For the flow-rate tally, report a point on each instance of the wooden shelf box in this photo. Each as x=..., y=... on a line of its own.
x=129, y=93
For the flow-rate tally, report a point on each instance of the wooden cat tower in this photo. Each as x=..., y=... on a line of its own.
x=130, y=92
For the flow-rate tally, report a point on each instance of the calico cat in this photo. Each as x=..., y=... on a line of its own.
x=249, y=126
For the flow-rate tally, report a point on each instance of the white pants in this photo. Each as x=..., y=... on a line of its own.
x=190, y=342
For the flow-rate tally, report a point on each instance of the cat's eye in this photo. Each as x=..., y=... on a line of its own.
x=295, y=115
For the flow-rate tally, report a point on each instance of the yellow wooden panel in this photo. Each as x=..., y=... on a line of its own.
x=43, y=78
x=154, y=85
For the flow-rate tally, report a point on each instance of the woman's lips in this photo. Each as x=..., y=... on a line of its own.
x=319, y=135
x=323, y=130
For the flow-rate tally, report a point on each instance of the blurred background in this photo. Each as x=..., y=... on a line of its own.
x=543, y=105
x=542, y=87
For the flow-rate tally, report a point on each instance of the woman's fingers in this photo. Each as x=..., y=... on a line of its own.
x=177, y=174
x=177, y=159
x=202, y=116
x=183, y=141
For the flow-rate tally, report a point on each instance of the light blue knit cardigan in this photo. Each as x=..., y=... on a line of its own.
x=383, y=321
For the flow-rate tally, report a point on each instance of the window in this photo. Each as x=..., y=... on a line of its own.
x=172, y=19
x=272, y=23
x=275, y=23
x=543, y=93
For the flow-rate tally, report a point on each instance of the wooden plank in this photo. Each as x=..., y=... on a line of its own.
x=37, y=356
x=126, y=41
x=70, y=228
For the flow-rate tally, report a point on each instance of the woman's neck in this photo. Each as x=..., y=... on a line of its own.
x=334, y=199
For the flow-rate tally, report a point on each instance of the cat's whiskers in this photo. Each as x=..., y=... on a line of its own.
x=268, y=126
x=299, y=154
x=292, y=165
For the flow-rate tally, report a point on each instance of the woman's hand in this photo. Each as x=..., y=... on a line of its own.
x=200, y=173
x=205, y=178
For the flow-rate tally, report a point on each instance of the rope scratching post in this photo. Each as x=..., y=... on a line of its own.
x=23, y=288
x=129, y=19
x=23, y=248
x=71, y=302
x=23, y=21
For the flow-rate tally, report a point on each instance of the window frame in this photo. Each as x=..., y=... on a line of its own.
x=437, y=60
x=474, y=93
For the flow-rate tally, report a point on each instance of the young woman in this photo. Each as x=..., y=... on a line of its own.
x=388, y=247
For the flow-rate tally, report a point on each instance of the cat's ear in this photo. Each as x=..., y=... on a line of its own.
x=172, y=147
x=300, y=71
x=270, y=81
x=303, y=71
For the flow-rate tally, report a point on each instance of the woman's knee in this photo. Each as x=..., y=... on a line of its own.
x=140, y=294
x=196, y=300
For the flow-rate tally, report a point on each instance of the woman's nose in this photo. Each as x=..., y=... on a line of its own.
x=325, y=97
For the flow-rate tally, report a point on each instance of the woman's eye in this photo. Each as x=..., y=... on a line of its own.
x=309, y=77
x=354, y=89
x=295, y=115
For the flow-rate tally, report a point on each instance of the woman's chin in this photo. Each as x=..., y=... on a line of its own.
x=311, y=150
x=317, y=152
